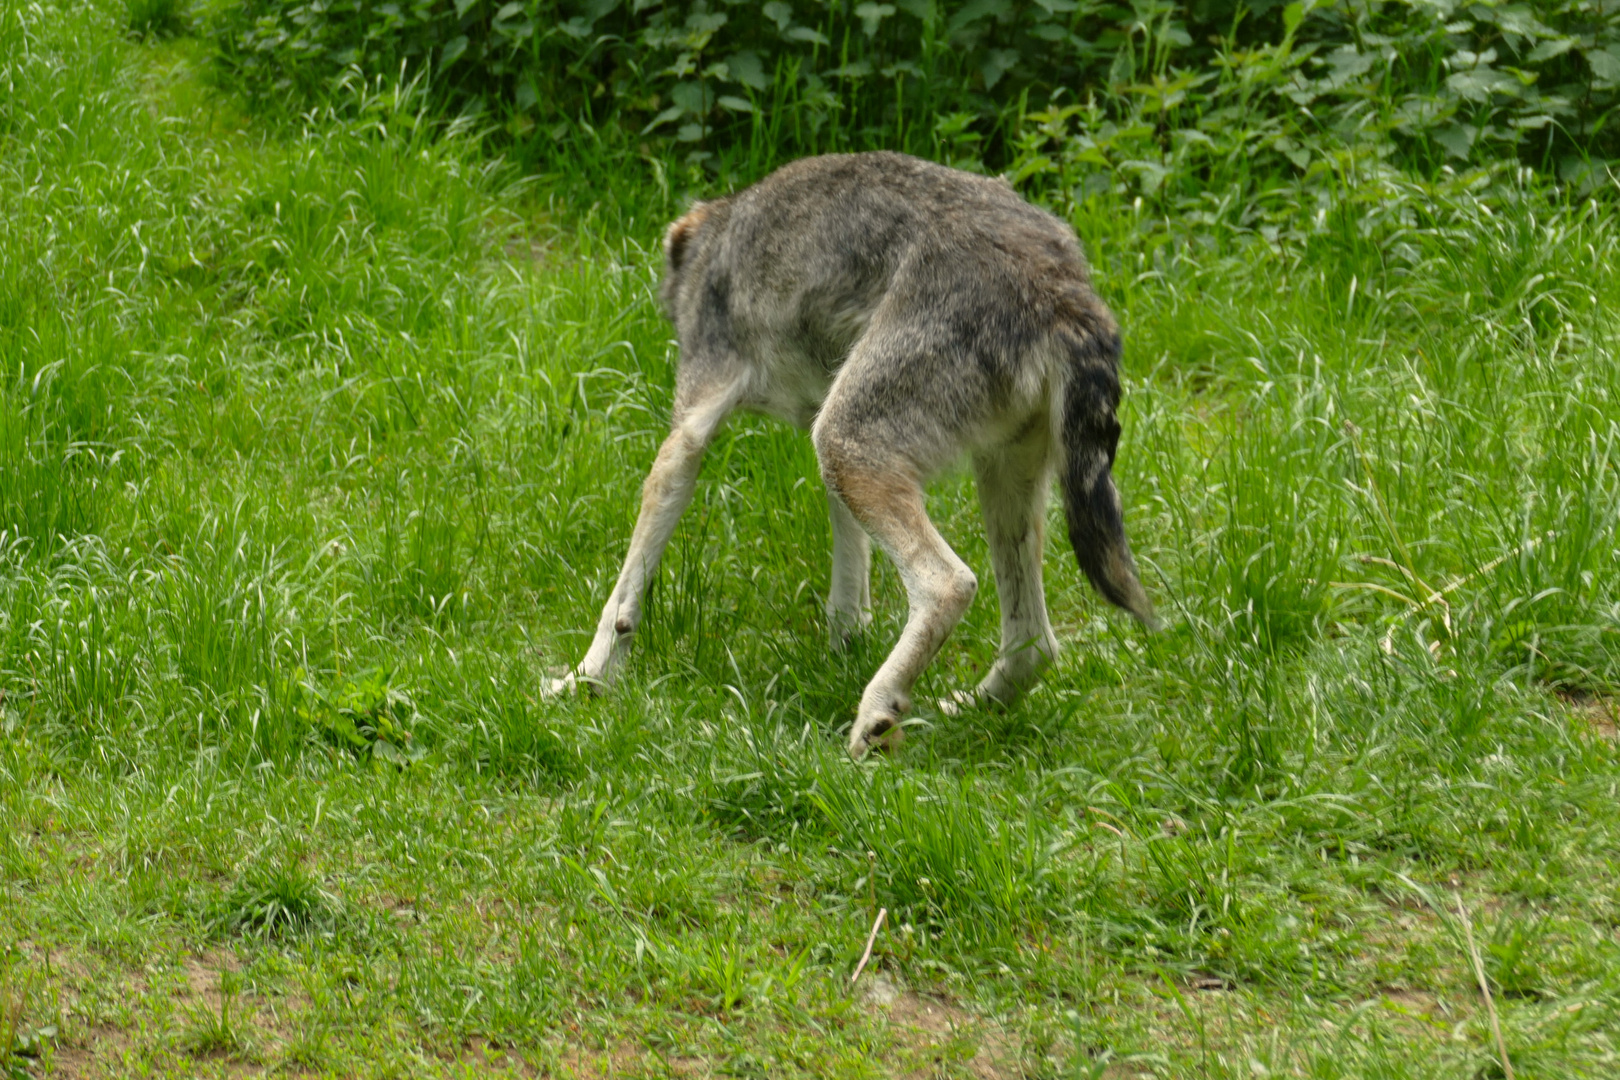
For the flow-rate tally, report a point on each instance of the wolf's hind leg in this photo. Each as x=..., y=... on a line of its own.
x=699, y=412
x=888, y=500
x=849, y=599
x=1013, y=481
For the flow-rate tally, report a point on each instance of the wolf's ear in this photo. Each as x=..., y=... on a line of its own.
x=681, y=233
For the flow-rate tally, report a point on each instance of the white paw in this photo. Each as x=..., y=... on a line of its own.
x=553, y=688
x=843, y=629
x=573, y=682
x=881, y=733
x=959, y=702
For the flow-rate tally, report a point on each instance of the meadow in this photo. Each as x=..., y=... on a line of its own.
x=321, y=437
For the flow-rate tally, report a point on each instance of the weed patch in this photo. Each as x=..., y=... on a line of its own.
x=275, y=900
x=307, y=486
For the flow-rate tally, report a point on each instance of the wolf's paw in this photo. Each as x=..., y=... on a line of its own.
x=571, y=683
x=878, y=732
x=959, y=702
x=843, y=629
x=555, y=688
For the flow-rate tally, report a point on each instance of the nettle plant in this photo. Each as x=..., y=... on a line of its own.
x=826, y=73
x=1348, y=93
x=1447, y=81
x=984, y=83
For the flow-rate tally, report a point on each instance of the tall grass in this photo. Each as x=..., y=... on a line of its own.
x=321, y=448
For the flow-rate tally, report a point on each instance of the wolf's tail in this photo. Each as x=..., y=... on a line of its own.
x=1089, y=434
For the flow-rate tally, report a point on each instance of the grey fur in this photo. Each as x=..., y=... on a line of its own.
x=906, y=314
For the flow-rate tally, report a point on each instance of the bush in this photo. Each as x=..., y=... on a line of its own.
x=156, y=18
x=1436, y=81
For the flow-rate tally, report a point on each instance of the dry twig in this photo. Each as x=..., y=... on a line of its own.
x=1485, y=989
x=871, y=939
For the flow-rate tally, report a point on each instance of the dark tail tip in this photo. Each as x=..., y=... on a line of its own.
x=1097, y=533
x=1090, y=436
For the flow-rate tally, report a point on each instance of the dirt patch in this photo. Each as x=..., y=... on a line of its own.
x=1601, y=715
x=619, y=1059
x=1421, y=1014
x=96, y=1052
x=479, y=1056
x=523, y=248
x=486, y=1056
x=96, y=1045
x=1419, y=1003
x=929, y=1031
x=203, y=973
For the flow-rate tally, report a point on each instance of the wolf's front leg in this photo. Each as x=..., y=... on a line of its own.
x=664, y=496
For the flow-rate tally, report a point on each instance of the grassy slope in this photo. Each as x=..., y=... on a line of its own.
x=305, y=441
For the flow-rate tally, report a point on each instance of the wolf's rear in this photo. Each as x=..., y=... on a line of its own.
x=1089, y=434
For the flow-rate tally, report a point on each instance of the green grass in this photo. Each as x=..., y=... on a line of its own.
x=319, y=449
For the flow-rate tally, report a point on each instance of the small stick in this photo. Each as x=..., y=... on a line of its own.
x=1484, y=988
x=871, y=939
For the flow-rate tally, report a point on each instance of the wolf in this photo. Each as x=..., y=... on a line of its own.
x=906, y=314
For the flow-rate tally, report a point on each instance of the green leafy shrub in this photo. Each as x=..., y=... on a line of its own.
x=156, y=18
x=1431, y=81
x=367, y=716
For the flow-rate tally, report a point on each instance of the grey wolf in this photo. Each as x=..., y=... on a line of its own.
x=906, y=314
